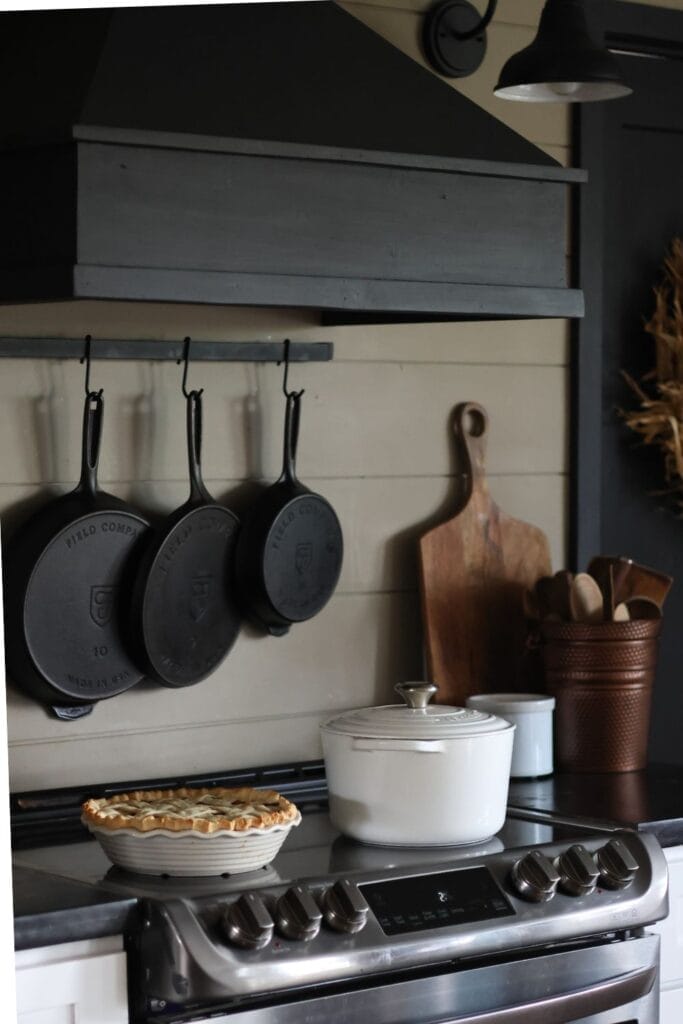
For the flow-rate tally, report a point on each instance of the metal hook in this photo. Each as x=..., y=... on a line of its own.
x=185, y=358
x=85, y=358
x=288, y=394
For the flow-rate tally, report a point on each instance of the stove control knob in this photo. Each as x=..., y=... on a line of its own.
x=578, y=873
x=344, y=908
x=534, y=877
x=616, y=865
x=247, y=922
x=297, y=915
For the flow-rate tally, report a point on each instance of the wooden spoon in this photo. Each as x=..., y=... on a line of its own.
x=585, y=599
x=621, y=613
x=630, y=579
x=602, y=572
x=648, y=584
x=643, y=608
x=544, y=597
x=561, y=588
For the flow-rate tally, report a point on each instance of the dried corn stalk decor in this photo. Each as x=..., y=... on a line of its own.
x=659, y=420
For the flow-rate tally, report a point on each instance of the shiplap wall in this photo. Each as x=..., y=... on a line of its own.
x=374, y=441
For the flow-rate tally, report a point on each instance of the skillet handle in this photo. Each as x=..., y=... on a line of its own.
x=198, y=491
x=92, y=434
x=292, y=421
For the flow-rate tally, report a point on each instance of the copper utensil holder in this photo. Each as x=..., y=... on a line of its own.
x=601, y=675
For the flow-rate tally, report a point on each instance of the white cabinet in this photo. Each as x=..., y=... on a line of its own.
x=671, y=932
x=73, y=983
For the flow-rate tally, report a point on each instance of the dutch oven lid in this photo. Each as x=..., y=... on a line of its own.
x=416, y=719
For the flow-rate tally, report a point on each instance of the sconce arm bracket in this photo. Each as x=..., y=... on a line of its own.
x=454, y=36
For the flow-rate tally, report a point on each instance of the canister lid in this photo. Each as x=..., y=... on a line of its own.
x=416, y=719
x=511, y=703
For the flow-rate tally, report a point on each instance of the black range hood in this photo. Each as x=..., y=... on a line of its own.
x=276, y=154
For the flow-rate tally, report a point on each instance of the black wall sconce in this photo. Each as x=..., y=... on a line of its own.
x=565, y=63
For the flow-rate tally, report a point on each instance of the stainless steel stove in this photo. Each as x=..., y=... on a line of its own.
x=545, y=922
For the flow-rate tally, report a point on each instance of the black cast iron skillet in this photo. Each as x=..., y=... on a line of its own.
x=67, y=574
x=289, y=555
x=184, y=616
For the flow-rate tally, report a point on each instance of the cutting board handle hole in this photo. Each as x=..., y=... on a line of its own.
x=473, y=421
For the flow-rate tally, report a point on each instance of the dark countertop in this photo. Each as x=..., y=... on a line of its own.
x=49, y=909
x=649, y=800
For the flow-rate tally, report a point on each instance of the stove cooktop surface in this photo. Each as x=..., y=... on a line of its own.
x=314, y=849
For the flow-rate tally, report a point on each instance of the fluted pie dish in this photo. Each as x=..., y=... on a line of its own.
x=207, y=831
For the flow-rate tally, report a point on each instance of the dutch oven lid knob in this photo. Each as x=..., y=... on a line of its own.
x=416, y=695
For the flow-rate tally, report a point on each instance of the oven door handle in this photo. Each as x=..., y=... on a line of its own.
x=566, y=1007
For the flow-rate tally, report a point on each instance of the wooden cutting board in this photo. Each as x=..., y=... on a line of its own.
x=474, y=569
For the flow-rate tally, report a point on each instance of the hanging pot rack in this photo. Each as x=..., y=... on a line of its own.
x=165, y=351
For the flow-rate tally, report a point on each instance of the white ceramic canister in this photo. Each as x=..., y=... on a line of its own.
x=417, y=774
x=532, y=713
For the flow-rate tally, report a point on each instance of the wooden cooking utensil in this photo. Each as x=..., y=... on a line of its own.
x=622, y=613
x=602, y=572
x=474, y=569
x=632, y=580
x=585, y=599
x=552, y=596
x=562, y=585
x=643, y=608
x=544, y=592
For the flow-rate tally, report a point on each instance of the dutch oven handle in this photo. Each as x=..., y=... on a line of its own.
x=198, y=492
x=92, y=434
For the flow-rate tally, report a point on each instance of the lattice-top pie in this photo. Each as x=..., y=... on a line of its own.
x=200, y=810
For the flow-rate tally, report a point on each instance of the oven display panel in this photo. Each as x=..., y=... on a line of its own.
x=436, y=901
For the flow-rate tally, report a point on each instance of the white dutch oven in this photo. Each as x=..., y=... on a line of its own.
x=417, y=774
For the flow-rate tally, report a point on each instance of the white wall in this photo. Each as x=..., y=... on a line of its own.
x=374, y=441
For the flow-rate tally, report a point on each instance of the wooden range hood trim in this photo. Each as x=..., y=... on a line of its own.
x=327, y=293
x=335, y=154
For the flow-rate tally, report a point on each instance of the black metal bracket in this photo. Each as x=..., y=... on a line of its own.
x=454, y=36
x=202, y=351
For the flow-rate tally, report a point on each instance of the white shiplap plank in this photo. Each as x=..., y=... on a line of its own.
x=516, y=342
x=349, y=655
x=359, y=419
x=90, y=759
x=508, y=341
x=381, y=518
x=152, y=321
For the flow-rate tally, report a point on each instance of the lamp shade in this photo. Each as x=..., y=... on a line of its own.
x=565, y=63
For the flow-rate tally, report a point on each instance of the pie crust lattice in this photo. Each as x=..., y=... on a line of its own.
x=205, y=810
